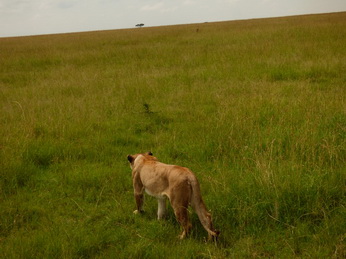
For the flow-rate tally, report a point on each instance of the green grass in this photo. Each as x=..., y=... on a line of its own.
x=255, y=108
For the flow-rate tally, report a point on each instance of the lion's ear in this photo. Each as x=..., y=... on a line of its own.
x=130, y=158
x=149, y=153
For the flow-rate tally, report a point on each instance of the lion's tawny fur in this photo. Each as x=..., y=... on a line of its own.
x=176, y=183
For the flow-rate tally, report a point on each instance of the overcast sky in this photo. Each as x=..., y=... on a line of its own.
x=32, y=17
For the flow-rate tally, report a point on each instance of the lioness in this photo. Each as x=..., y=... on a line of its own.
x=176, y=183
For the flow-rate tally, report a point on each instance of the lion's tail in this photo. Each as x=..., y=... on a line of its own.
x=198, y=205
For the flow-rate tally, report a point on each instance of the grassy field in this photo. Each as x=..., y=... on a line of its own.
x=256, y=108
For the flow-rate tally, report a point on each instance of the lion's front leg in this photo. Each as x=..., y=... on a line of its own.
x=139, y=197
x=138, y=192
x=161, y=209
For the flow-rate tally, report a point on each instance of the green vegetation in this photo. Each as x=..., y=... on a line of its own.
x=255, y=108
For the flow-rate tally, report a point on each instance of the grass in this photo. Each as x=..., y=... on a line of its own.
x=255, y=108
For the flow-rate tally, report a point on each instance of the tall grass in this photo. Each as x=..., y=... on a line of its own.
x=255, y=108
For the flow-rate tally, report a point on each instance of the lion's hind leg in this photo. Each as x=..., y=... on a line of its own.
x=180, y=205
x=182, y=216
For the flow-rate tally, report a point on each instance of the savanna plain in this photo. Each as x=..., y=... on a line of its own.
x=255, y=108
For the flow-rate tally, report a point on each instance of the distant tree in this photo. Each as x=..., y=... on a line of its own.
x=140, y=25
